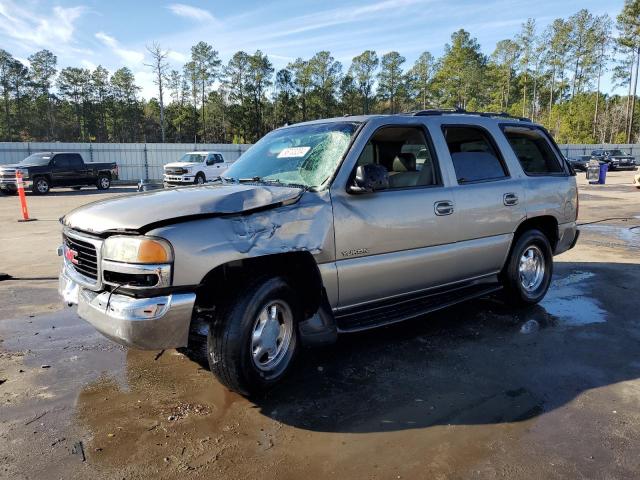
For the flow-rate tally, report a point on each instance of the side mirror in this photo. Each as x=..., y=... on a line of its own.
x=370, y=178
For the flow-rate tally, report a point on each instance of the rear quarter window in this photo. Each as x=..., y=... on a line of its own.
x=533, y=149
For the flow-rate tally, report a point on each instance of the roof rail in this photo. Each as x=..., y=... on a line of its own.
x=461, y=111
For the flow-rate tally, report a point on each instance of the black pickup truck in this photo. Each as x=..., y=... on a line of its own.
x=41, y=171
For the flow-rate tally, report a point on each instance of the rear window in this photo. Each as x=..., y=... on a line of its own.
x=533, y=149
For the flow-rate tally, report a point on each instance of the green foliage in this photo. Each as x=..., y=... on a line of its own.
x=553, y=76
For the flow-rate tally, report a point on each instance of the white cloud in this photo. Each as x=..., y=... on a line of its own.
x=37, y=29
x=192, y=13
x=88, y=64
x=177, y=56
x=148, y=89
x=131, y=57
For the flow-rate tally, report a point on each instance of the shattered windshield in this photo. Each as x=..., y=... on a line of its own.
x=306, y=155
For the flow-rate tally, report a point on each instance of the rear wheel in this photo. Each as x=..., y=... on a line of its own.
x=254, y=338
x=104, y=182
x=527, y=274
x=41, y=185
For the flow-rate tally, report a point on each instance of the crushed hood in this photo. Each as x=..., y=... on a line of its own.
x=140, y=211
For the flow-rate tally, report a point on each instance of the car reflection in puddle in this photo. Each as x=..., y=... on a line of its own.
x=570, y=302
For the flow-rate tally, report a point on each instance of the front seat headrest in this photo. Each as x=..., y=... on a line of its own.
x=404, y=162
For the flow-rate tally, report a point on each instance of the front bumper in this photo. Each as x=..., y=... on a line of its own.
x=145, y=323
x=178, y=179
x=11, y=185
x=618, y=166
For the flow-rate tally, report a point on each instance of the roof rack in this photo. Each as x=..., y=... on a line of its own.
x=461, y=111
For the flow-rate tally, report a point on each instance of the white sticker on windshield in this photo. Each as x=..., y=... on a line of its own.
x=294, y=152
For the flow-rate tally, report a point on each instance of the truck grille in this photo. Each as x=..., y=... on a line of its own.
x=84, y=255
x=174, y=171
x=8, y=174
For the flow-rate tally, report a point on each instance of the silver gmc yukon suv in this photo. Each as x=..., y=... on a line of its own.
x=321, y=228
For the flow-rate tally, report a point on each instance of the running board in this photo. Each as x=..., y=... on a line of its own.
x=407, y=307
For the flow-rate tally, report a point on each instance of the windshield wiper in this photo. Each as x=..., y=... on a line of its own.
x=270, y=181
x=255, y=180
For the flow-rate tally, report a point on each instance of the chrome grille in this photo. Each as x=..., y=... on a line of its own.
x=85, y=260
x=175, y=170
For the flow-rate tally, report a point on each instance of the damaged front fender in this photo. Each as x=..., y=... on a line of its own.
x=201, y=245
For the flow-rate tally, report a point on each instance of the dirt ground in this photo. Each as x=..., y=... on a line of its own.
x=476, y=391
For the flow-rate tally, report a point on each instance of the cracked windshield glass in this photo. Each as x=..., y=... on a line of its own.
x=307, y=155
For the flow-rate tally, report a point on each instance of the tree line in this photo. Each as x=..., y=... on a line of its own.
x=552, y=75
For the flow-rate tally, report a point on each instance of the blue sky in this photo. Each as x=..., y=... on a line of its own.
x=114, y=33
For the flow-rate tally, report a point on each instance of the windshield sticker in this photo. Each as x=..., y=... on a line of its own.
x=46, y=158
x=294, y=152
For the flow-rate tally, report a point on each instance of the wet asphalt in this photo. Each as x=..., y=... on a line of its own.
x=479, y=390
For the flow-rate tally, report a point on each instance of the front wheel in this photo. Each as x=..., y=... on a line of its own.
x=254, y=338
x=41, y=186
x=200, y=179
x=527, y=274
x=103, y=183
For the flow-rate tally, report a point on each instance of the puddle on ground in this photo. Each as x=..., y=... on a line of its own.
x=630, y=236
x=570, y=302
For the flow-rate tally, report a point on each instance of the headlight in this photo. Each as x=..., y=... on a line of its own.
x=122, y=248
x=24, y=173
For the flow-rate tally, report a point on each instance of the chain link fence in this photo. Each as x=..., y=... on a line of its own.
x=135, y=160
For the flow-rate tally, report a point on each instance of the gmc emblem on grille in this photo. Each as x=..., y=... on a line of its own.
x=71, y=255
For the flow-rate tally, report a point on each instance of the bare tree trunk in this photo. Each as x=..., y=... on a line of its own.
x=506, y=100
x=524, y=96
x=204, y=124
x=626, y=112
x=595, y=115
x=633, y=98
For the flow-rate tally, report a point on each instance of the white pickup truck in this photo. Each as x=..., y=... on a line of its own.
x=195, y=167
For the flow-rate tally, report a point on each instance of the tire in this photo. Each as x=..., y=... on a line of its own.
x=200, y=179
x=41, y=186
x=103, y=182
x=233, y=347
x=532, y=255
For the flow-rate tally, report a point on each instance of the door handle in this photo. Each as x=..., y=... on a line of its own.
x=510, y=199
x=443, y=207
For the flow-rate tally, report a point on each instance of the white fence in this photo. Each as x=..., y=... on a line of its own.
x=571, y=151
x=134, y=159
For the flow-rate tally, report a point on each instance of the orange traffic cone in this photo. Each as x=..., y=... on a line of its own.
x=23, y=199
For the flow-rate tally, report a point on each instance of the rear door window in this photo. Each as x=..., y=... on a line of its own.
x=74, y=160
x=62, y=161
x=533, y=149
x=474, y=154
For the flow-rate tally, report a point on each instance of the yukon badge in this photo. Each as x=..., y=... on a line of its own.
x=355, y=251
